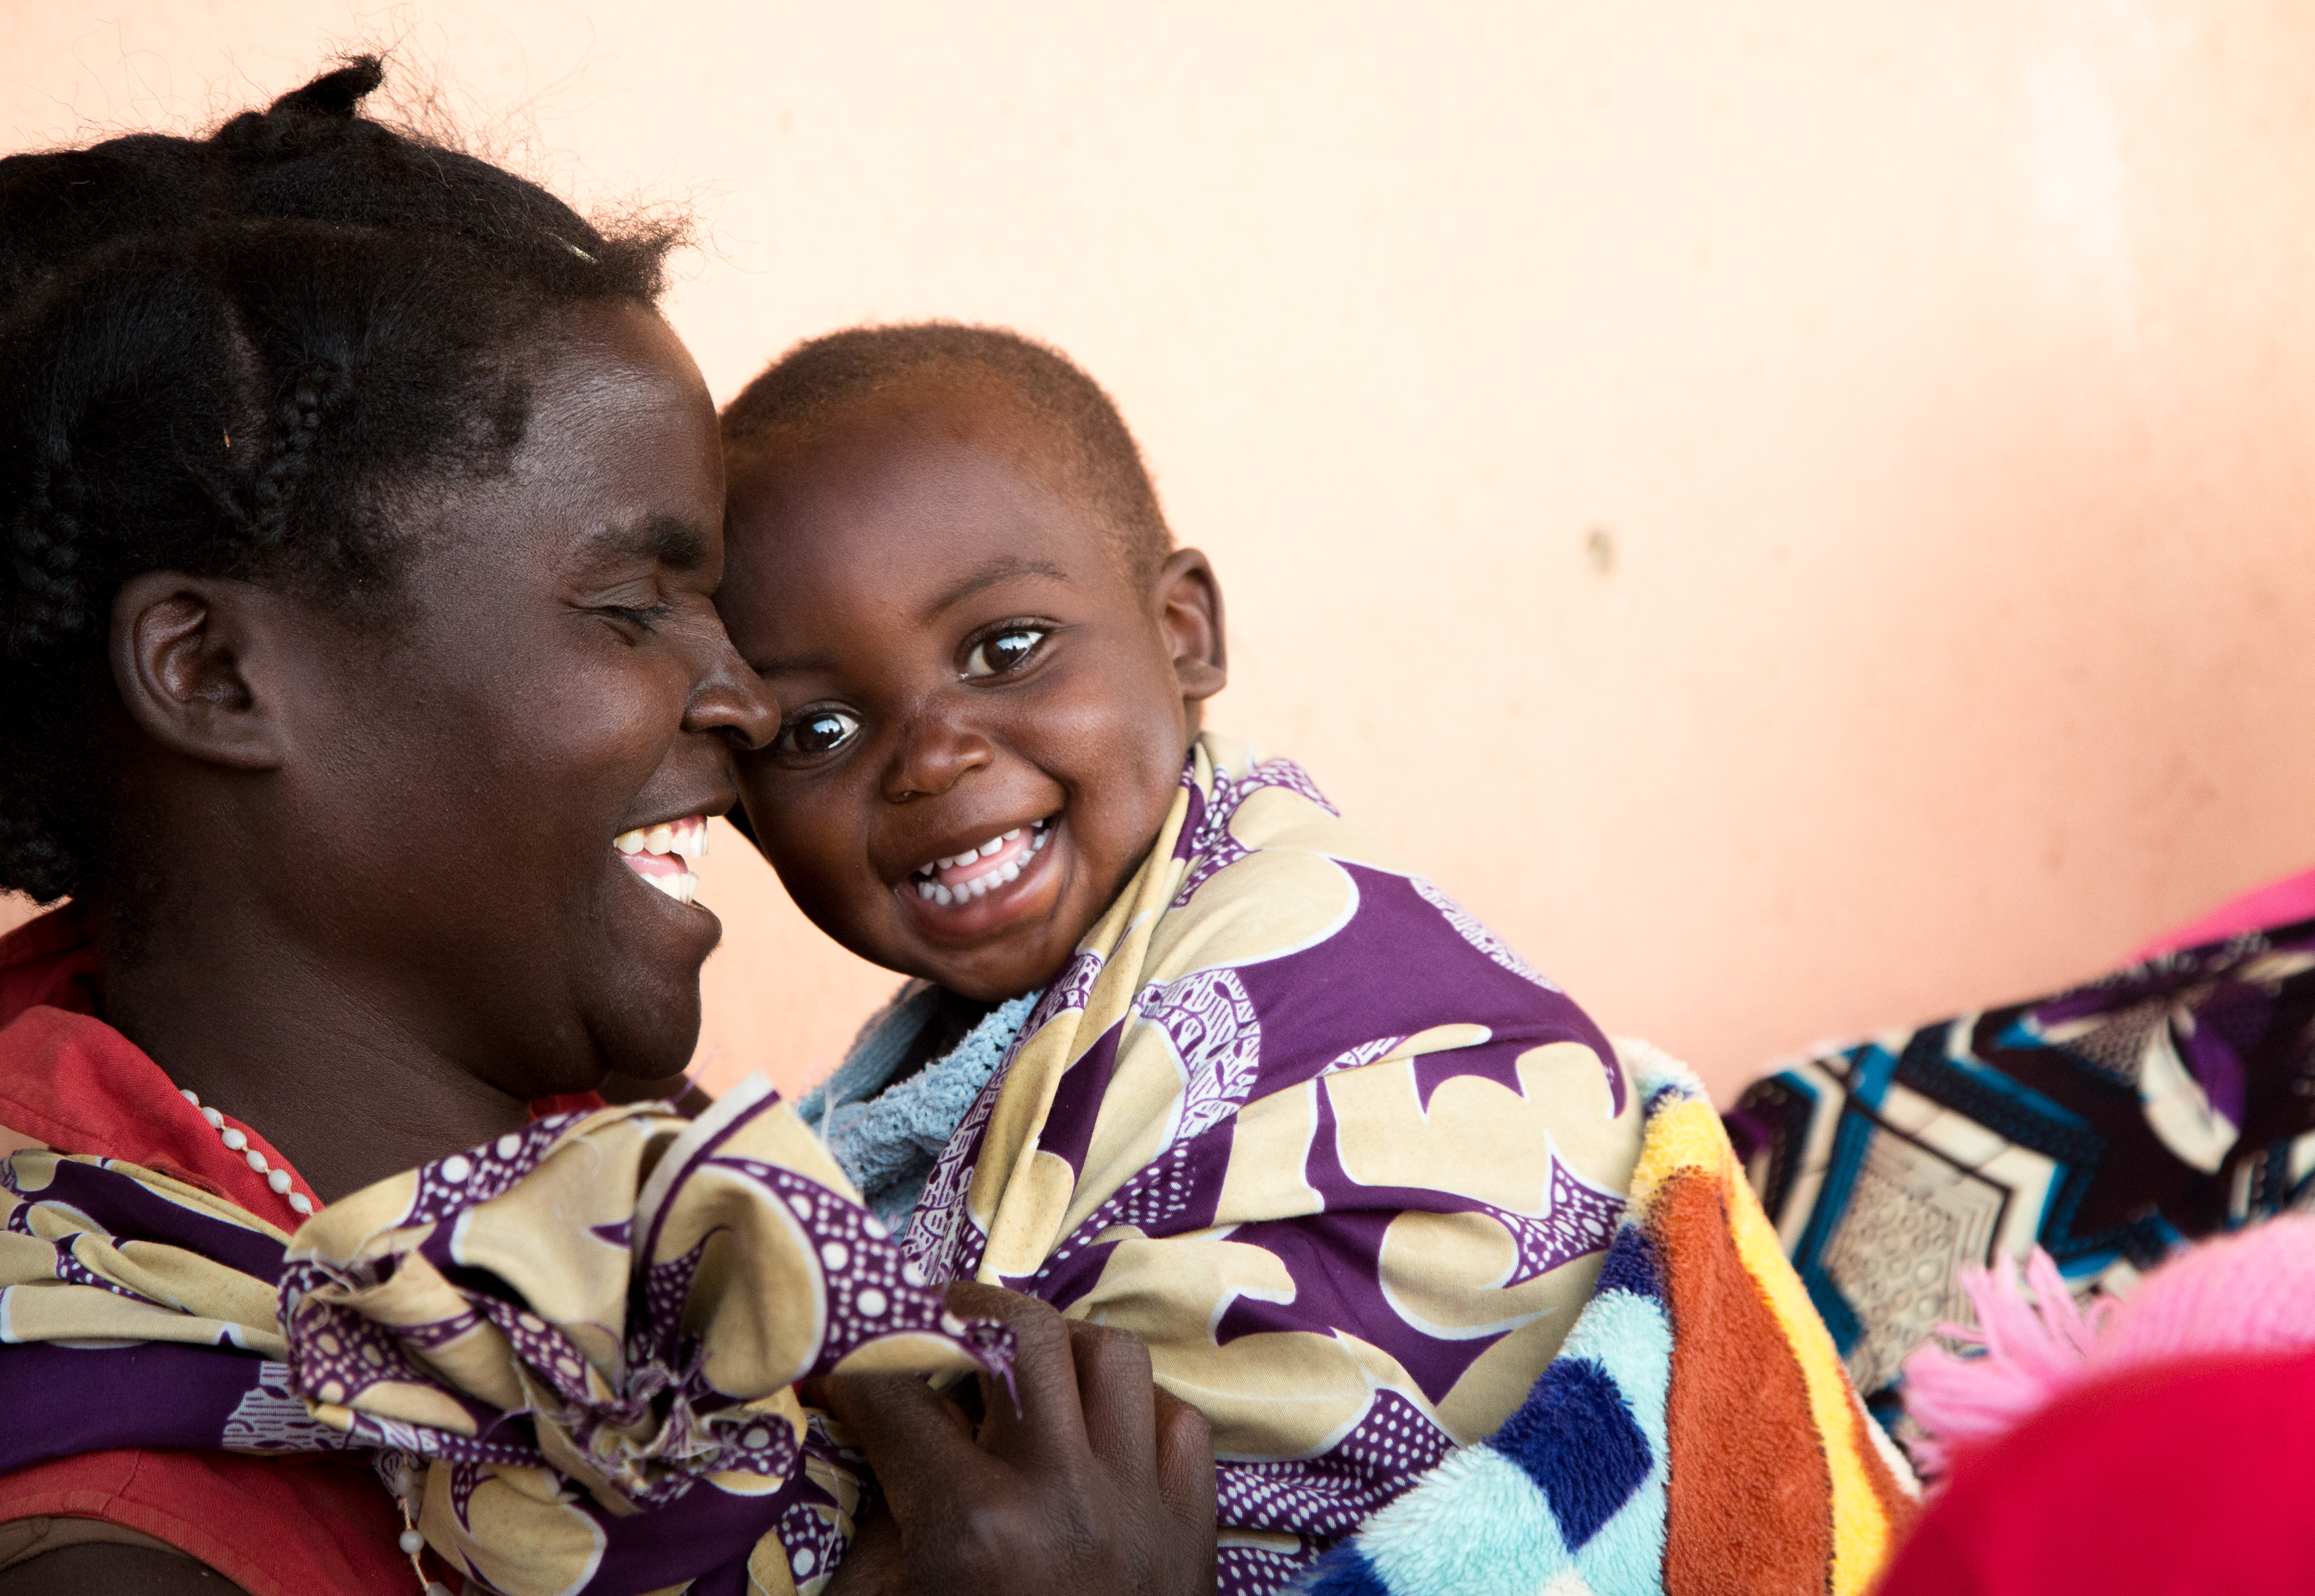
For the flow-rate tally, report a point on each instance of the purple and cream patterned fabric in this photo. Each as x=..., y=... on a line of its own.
x=1338, y=1154
x=571, y=1351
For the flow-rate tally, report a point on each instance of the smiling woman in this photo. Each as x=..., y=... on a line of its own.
x=368, y=701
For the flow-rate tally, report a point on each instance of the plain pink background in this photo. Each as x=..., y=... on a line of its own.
x=1799, y=512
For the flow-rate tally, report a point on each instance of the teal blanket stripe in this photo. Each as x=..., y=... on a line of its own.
x=1566, y=1499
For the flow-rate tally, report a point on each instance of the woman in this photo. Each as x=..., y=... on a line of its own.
x=363, y=518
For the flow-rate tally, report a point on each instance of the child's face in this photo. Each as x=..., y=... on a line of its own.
x=983, y=717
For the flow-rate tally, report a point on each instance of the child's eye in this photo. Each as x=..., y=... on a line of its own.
x=817, y=732
x=1008, y=650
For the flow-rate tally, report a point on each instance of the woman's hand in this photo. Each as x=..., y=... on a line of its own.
x=1100, y=1482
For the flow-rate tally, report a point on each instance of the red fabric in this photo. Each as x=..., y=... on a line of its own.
x=273, y=1526
x=2183, y=1478
x=49, y=960
x=81, y=1087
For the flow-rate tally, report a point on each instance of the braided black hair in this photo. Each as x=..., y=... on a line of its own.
x=218, y=355
x=1080, y=432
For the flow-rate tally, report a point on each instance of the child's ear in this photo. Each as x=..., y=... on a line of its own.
x=191, y=657
x=1190, y=610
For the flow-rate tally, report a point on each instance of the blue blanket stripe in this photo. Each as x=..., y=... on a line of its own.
x=1571, y=1490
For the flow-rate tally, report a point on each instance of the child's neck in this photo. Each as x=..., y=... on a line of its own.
x=953, y=1020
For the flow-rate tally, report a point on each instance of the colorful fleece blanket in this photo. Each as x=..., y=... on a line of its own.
x=1347, y=1163
x=570, y=1353
x=1695, y=1435
x=2107, y=1125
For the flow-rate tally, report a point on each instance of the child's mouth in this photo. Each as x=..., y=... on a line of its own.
x=977, y=872
x=659, y=854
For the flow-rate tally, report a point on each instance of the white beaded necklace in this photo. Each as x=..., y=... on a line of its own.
x=411, y=1541
x=237, y=1141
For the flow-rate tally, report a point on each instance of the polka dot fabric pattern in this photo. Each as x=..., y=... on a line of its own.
x=571, y=1351
x=1343, y=1161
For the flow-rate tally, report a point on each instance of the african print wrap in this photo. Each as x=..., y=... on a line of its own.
x=1694, y=1436
x=2107, y=1125
x=1341, y=1157
x=571, y=1351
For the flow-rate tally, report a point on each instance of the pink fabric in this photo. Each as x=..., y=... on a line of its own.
x=2247, y=1294
x=2278, y=903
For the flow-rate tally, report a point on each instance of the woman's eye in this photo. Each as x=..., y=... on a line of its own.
x=641, y=617
x=1008, y=650
x=819, y=732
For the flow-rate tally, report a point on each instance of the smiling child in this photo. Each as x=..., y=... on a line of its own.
x=1185, y=1052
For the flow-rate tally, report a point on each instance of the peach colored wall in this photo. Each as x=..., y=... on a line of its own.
x=1799, y=512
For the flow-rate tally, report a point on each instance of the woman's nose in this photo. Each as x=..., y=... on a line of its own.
x=933, y=755
x=731, y=699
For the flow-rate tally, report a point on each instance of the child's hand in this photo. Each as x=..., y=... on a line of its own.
x=1100, y=1481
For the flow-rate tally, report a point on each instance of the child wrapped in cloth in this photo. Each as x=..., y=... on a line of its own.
x=1186, y=1052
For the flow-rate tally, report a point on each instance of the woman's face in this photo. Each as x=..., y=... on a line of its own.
x=465, y=779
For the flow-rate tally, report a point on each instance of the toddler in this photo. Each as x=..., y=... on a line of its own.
x=1184, y=1051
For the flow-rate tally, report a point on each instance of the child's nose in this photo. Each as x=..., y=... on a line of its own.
x=933, y=756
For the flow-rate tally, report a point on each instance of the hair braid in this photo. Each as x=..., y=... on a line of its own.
x=50, y=604
x=312, y=394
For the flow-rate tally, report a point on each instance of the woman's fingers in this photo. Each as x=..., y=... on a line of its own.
x=1099, y=1481
x=1049, y=1422
x=1113, y=1389
x=876, y=1564
x=1185, y=1460
x=915, y=1440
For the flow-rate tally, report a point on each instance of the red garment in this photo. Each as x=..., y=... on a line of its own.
x=2182, y=1478
x=273, y=1526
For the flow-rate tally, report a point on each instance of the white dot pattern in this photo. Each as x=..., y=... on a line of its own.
x=1330, y=1497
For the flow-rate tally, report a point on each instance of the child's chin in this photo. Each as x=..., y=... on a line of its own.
x=997, y=973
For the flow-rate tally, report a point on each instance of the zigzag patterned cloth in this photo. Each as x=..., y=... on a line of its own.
x=1695, y=1435
x=2107, y=1125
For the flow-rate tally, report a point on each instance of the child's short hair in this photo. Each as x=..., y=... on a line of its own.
x=1082, y=434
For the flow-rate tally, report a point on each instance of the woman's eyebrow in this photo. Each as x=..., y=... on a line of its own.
x=672, y=540
x=987, y=574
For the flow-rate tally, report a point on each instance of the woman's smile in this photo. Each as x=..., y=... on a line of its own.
x=660, y=854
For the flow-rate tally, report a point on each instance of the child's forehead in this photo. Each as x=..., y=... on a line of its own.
x=935, y=460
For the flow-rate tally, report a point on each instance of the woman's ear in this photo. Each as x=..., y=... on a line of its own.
x=1190, y=610
x=192, y=656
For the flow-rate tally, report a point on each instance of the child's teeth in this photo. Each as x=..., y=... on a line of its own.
x=1009, y=835
x=926, y=889
x=991, y=846
x=942, y=896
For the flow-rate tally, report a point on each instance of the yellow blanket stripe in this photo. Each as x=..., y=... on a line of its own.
x=1860, y=1526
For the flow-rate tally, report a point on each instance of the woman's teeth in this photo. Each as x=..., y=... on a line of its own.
x=978, y=872
x=656, y=853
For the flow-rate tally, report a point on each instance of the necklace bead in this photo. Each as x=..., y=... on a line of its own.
x=236, y=1140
